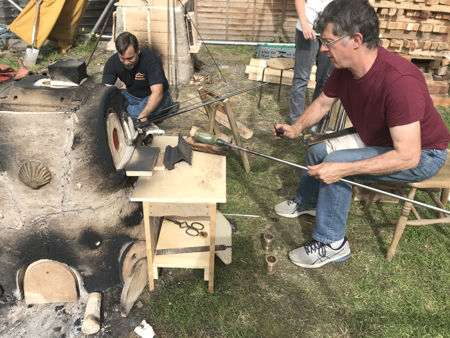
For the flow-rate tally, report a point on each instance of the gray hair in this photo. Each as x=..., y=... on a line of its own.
x=350, y=17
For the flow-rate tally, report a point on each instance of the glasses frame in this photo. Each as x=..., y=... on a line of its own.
x=330, y=43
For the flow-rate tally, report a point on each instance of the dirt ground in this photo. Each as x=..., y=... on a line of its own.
x=18, y=319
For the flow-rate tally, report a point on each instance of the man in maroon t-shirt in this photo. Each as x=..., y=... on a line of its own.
x=400, y=135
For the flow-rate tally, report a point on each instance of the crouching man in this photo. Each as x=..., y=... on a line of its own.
x=147, y=89
x=400, y=135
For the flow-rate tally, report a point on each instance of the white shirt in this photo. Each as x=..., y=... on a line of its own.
x=312, y=10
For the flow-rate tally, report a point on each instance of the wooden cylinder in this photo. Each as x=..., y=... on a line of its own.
x=91, y=322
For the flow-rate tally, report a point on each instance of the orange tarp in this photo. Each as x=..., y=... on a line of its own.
x=58, y=21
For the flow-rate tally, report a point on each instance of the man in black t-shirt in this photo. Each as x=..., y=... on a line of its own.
x=142, y=72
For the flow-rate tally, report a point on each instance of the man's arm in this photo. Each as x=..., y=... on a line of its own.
x=313, y=114
x=153, y=102
x=308, y=31
x=405, y=155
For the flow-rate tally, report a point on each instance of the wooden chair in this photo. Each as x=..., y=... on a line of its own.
x=280, y=64
x=439, y=183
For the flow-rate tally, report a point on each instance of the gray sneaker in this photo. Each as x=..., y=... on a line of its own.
x=314, y=254
x=292, y=209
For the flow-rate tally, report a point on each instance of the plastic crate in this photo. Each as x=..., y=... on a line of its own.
x=264, y=52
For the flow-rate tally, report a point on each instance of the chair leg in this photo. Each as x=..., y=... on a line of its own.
x=400, y=227
x=444, y=199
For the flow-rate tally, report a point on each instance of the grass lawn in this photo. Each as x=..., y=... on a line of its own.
x=363, y=296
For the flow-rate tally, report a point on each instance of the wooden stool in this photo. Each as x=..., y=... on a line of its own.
x=440, y=183
x=280, y=64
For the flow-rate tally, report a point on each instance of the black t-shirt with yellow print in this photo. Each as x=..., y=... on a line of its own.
x=148, y=72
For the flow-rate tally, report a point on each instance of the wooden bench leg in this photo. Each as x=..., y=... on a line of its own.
x=400, y=227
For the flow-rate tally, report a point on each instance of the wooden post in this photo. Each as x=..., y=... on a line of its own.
x=212, y=247
x=235, y=131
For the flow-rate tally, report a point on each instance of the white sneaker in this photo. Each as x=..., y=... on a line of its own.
x=314, y=254
x=292, y=209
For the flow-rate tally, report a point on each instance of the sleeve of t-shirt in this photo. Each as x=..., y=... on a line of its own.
x=156, y=72
x=109, y=75
x=405, y=101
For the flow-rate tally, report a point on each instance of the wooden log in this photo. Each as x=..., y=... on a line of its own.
x=91, y=321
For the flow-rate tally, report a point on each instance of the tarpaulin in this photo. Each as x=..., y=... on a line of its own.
x=58, y=21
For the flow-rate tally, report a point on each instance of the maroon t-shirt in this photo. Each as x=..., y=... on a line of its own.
x=392, y=93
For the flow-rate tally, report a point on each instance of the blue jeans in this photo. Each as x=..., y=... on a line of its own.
x=333, y=200
x=306, y=52
x=137, y=104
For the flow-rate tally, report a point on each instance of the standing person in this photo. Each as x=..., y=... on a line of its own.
x=142, y=72
x=307, y=50
x=401, y=137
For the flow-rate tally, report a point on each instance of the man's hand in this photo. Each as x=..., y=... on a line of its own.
x=329, y=172
x=288, y=131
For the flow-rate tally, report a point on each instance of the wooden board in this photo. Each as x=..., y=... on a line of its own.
x=142, y=161
x=171, y=236
x=203, y=182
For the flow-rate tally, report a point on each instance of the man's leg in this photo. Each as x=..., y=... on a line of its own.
x=305, y=200
x=135, y=104
x=166, y=103
x=329, y=241
x=305, y=53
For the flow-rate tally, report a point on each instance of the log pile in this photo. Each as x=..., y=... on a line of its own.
x=418, y=30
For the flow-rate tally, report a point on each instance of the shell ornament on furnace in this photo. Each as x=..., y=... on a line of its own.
x=34, y=174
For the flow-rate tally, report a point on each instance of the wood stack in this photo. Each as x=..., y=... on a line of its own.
x=418, y=30
x=256, y=67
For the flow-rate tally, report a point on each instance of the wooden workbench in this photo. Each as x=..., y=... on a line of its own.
x=188, y=192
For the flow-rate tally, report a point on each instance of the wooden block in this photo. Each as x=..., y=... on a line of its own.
x=443, y=101
x=412, y=27
x=426, y=45
x=91, y=320
x=142, y=162
x=48, y=281
x=384, y=43
x=440, y=29
x=426, y=27
x=438, y=87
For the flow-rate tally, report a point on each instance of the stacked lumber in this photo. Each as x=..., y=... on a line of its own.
x=256, y=66
x=416, y=29
x=246, y=20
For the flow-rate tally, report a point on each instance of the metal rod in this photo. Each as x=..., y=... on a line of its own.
x=98, y=39
x=174, y=45
x=15, y=5
x=220, y=141
x=102, y=16
x=161, y=118
x=245, y=43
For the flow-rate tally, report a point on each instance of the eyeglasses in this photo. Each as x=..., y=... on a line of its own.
x=330, y=43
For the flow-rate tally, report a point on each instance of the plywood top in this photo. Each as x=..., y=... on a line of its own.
x=203, y=182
